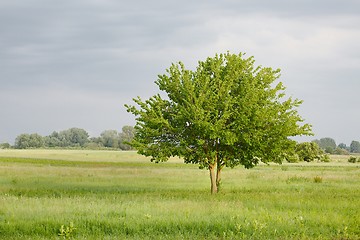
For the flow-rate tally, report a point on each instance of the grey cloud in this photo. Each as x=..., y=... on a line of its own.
x=110, y=51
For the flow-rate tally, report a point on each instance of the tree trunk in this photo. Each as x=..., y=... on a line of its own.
x=213, y=178
x=218, y=177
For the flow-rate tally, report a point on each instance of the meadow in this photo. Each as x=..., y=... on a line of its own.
x=84, y=194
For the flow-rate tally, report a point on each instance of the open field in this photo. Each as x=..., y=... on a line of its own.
x=120, y=195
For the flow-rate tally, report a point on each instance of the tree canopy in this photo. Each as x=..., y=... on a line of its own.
x=355, y=147
x=25, y=140
x=310, y=151
x=328, y=144
x=227, y=112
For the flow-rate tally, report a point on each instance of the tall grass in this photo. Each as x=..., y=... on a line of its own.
x=126, y=197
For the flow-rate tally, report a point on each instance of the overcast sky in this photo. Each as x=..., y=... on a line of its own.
x=75, y=63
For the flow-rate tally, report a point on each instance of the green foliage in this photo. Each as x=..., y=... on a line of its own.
x=324, y=158
x=292, y=158
x=53, y=140
x=73, y=137
x=329, y=150
x=309, y=151
x=114, y=139
x=125, y=137
x=342, y=146
x=33, y=140
x=318, y=179
x=77, y=138
x=110, y=138
x=227, y=112
x=355, y=147
x=327, y=144
x=5, y=145
x=341, y=151
x=67, y=232
x=352, y=159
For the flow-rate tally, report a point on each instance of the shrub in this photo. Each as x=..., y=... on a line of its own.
x=341, y=151
x=324, y=158
x=329, y=150
x=5, y=145
x=294, y=158
x=66, y=232
x=318, y=179
x=352, y=159
x=309, y=151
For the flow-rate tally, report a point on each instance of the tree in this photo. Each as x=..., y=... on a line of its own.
x=110, y=138
x=95, y=143
x=225, y=113
x=327, y=144
x=73, y=137
x=25, y=140
x=309, y=151
x=341, y=151
x=53, y=140
x=5, y=145
x=342, y=146
x=22, y=141
x=36, y=140
x=125, y=137
x=355, y=147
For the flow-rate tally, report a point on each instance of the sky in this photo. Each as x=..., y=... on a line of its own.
x=75, y=63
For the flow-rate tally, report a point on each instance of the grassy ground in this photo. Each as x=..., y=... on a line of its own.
x=120, y=195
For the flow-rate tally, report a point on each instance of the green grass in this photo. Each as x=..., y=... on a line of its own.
x=120, y=195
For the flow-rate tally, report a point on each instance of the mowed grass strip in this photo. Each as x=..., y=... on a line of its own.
x=76, y=163
x=130, y=198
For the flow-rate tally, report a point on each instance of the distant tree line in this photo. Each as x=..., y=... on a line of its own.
x=329, y=146
x=319, y=150
x=79, y=138
x=75, y=138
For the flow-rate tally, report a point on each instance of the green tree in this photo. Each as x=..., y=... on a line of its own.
x=309, y=151
x=5, y=145
x=355, y=147
x=126, y=136
x=53, y=140
x=341, y=151
x=327, y=144
x=22, y=141
x=110, y=138
x=36, y=140
x=25, y=140
x=342, y=146
x=95, y=143
x=225, y=113
x=73, y=137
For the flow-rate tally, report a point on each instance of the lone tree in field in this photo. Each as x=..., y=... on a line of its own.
x=225, y=113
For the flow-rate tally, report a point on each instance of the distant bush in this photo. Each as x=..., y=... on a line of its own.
x=292, y=158
x=5, y=145
x=324, y=158
x=310, y=151
x=318, y=179
x=352, y=159
x=341, y=151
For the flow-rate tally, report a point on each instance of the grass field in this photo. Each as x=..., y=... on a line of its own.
x=121, y=195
